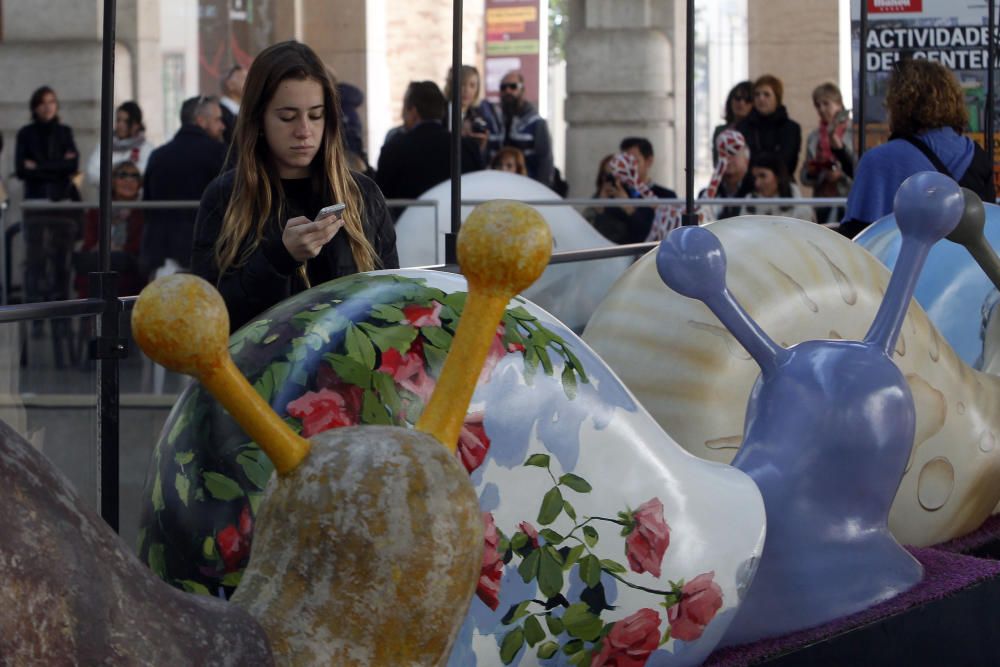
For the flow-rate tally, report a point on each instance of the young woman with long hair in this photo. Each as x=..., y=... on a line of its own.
x=257, y=236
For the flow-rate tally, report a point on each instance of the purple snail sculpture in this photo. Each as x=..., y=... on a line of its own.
x=829, y=427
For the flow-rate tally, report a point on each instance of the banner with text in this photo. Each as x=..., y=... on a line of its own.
x=513, y=31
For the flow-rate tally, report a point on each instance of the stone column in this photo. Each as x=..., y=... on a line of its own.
x=620, y=82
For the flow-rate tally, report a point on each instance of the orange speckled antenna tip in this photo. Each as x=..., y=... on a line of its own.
x=503, y=247
x=181, y=322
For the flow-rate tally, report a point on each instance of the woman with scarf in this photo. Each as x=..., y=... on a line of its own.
x=829, y=166
x=128, y=143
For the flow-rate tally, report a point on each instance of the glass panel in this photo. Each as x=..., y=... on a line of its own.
x=49, y=396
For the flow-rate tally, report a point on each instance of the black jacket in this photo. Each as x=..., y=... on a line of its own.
x=270, y=274
x=776, y=133
x=179, y=170
x=46, y=144
x=413, y=162
x=618, y=226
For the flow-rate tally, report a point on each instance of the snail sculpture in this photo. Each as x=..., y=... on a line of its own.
x=829, y=428
x=364, y=530
x=801, y=282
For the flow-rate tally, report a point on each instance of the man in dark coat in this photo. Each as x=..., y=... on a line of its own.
x=414, y=161
x=180, y=170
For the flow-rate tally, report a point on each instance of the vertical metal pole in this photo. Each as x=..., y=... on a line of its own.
x=450, y=254
x=689, y=216
x=862, y=70
x=991, y=54
x=104, y=285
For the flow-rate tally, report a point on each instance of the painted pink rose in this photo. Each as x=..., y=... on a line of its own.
x=408, y=370
x=327, y=378
x=701, y=598
x=630, y=641
x=648, y=539
x=320, y=411
x=488, y=588
x=473, y=443
x=529, y=530
x=233, y=541
x=423, y=316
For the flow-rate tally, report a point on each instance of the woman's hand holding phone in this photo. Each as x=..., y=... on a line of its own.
x=305, y=238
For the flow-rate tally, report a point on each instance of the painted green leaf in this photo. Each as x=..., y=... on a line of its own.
x=456, y=301
x=551, y=536
x=530, y=364
x=533, y=632
x=157, y=494
x=521, y=314
x=387, y=313
x=350, y=370
x=194, y=587
x=547, y=649
x=543, y=355
x=540, y=460
x=253, y=333
x=359, y=347
x=569, y=382
x=386, y=388
x=398, y=337
x=528, y=569
x=570, y=511
x=183, y=486
x=581, y=623
x=271, y=379
x=157, y=560
x=437, y=337
x=581, y=658
x=372, y=410
x=518, y=541
x=590, y=535
x=232, y=579
x=573, y=556
x=554, y=624
x=517, y=612
x=511, y=645
x=435, y=359
x=255, y=466
x=255, y=500
x=183, y=458
x=550, y=573
x=612, y=566
x=208, y=549
x=666, y=636
x=221, y=487
x=590, y=570
x=572, y=647
x=552, y=504
x=182, y=423
x=575, y=482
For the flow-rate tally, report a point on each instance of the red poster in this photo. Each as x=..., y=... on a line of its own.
x=512, y=43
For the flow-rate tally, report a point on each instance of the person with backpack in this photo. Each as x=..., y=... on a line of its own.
x=927, y=118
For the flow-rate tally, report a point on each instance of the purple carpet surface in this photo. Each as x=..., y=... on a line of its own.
x=944, y=573
x=988, y=532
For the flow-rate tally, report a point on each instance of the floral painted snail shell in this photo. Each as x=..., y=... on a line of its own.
x=364, y=529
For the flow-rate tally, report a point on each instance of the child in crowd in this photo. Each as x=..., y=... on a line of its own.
x=509, y=159
x=771, y=180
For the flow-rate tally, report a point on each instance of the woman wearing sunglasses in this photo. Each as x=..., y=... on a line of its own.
x=258, y=236
x=739, y=104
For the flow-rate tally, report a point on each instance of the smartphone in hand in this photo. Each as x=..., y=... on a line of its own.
x=333, y=212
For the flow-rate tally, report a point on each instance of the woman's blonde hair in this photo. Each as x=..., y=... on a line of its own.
x=924, y=95
x=257, y=186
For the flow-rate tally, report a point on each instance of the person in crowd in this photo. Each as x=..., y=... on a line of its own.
x=642, y=217
x=771, y=180
x=257, y=236
x=515, y=122
x=611, y=221
x=416, y=160
x=46, y=159
x=735, y=179
x=767, y=128
x=231, y=87
x=474, y=124
x=739, y=103
x=128, y=143
x=927, y=116
x=180, y=170
x=512, y=160
x=829, y=165
x=126, y=235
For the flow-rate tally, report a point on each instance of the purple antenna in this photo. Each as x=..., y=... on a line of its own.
x=928, y=206
x=691, y=262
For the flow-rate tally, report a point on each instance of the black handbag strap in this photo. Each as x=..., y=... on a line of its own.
x=930, y=155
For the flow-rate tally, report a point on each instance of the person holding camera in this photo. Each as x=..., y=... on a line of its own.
x=474, y=124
